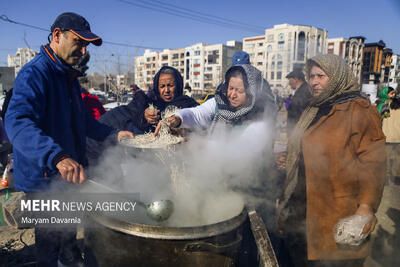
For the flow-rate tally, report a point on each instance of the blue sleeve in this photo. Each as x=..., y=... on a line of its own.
x=97, y=130
x=22, y=121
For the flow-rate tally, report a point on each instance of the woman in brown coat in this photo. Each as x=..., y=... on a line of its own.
x=335, y=167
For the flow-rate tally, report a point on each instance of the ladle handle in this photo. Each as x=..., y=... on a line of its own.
x=99, y=185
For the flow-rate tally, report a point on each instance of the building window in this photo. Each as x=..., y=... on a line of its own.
x=279, y=64
x=175, y=63
x=175, y=56
x=301, y=49
x=272, y=75
x=197, y=85
x=270, y=38
x=249, y=45
x=196, y=61
x=260, y=44
x=279, y=75
x=164, y=57
x=182, y=55
x=269, y=48
x=259, y=63
x=281, y=45
x=260, y=54
x=197, y=53
x=281, y=36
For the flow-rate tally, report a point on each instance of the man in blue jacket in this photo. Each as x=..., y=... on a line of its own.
x=47, y=124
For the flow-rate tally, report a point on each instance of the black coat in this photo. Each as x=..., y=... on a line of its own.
x=300, y=101
x=131, y=117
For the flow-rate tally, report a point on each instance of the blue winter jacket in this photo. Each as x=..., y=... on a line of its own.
x=46, y=120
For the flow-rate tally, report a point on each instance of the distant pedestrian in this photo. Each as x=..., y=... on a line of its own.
x=300, y=100
x=288, y=101
x=391, y=129
x=240, y=57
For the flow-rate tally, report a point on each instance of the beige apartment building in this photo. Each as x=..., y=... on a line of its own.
x=351, y=49
x=23, y=56
x=283, y=48
x=146, y=67
x=202, y=65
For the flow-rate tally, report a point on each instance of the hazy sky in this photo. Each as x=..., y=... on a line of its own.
x=123, y=21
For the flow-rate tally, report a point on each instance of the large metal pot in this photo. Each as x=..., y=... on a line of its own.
x=114, y=242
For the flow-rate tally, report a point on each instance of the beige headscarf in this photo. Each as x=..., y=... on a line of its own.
x=341, y=80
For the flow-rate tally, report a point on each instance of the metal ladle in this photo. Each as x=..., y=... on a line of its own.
x=159, y=210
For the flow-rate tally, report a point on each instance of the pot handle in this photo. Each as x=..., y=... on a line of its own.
x=210, y=247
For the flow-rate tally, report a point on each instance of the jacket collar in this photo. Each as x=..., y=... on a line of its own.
x=57, y=63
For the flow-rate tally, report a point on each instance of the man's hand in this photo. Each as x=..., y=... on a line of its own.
x=123, y=134
x=365, y=209
x=71, y=171
x=150, y=116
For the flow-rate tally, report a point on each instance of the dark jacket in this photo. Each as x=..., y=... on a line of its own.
x=46, y=120
x=131, y=117
x=299, y=102
x=142, y=101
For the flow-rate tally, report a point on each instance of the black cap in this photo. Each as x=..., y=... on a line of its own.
x=78, y=25
x=298, y=74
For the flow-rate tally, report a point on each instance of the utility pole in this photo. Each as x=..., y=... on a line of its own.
x=105, y=77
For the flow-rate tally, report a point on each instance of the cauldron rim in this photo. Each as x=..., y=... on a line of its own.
x=171, y=233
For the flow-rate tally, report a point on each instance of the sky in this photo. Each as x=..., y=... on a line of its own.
x=128, y=22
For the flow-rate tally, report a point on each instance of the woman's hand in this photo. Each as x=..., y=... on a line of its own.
x=151, y=117
x=365, y=209
x=173, y=122
x=280, y=160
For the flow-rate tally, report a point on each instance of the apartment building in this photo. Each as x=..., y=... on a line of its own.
x=146, y=67
x=283, y=48
x=23, y=56
x=201, y=65
x=394, y=74
x=376, y=63
x=351, y=49
x=205, y=65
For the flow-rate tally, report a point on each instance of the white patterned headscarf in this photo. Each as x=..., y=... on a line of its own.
x=258, y=90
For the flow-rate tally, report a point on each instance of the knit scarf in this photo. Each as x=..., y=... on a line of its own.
x=342, y=87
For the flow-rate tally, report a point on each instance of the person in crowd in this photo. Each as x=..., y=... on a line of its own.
x=137, y=116
x=278, y=99
x=6, y=101
x=47, y=123
x=301, y=98
x=92, y=104
x=335, y=167
x=240, y=58
x=242, y=98
x=383, y=97
x=243, y=104
x=168, y=84
x=391, y=129
x=188, y=90
x=288, y=101
x=135, y=89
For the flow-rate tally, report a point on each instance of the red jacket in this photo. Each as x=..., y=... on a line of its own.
x=93, y=105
